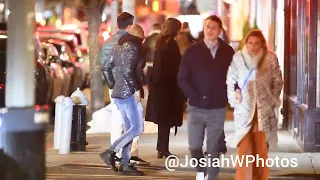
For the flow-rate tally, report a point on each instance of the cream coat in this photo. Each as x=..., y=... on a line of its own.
x=262, y=89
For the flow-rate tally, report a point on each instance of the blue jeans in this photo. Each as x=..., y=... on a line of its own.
x=133, y=122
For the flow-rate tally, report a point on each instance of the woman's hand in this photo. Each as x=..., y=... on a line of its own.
x=137, y=96
x=238, y=96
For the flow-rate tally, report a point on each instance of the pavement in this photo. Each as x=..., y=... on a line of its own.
x=87, y=165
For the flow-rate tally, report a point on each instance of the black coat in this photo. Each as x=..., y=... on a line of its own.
x=203, y=78
x=166, y=100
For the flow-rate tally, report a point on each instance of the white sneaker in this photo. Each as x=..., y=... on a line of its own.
x=200, y=176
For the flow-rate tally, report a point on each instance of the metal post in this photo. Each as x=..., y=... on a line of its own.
x=57, y=122
x=79, y=120
x=22, y=130
x=78, y=134
x=129, y=6
x=219, y=8
x=114, y=14
x=65, y=133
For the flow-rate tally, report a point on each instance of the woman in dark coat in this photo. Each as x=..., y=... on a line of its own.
x=165, y=102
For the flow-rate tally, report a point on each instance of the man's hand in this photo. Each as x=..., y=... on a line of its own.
x=137, y=96
x=238, y=97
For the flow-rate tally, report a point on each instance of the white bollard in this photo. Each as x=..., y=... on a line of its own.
x=57, y=120
x=65, y=126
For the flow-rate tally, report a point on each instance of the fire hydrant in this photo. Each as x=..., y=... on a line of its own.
x=79, y=121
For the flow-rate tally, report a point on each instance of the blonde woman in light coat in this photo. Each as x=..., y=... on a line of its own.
x=256, y=71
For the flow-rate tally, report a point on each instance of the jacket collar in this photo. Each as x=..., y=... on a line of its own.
x=121, y=32
x=220, y=42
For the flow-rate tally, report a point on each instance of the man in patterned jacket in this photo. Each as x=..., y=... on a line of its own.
x=124, y=21
x=119, y=68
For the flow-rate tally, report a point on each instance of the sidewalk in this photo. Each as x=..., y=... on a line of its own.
x=87, y=165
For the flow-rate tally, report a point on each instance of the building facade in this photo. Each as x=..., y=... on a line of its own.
x=301, y=74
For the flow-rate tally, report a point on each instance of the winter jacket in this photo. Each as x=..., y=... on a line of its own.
x=166, y=100
x=142, y=59
x=149, y=44
x=124, y=59
x=108, y=45
x=184, y=40
x=202, y=78
x=262, y=91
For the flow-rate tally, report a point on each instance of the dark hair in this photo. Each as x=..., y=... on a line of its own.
x=215, y=19
x=170, y=29
x=156, y=26
x=257, y=33
x=124, y=20
x=185, y=25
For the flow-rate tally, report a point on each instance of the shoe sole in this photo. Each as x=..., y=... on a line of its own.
x=142, y=163
x=105, y=160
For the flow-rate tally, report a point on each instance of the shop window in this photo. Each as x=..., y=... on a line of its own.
x=293, y=50
x=302, y=52
x=318, y=59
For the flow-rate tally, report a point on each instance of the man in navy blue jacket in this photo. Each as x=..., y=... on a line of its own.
x=202, y=78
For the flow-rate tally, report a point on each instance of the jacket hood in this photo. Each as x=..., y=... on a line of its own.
x=130, y=38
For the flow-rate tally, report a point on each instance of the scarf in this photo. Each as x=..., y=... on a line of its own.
x=252, y=61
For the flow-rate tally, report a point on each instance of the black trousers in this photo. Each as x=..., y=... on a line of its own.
x=163, y=138
x=222, y=143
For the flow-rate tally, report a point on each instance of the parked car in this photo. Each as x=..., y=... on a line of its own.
x=62, y=77
x=43, y=78
x=79, y=47
x=67, y=61
x=70, y=39
x=80, y=33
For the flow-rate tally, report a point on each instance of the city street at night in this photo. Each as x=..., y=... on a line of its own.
x=160, y=89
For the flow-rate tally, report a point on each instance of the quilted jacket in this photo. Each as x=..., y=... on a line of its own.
x=124, y=59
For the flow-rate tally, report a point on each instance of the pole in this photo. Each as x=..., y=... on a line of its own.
x=58, y=120
x=22, y=131
x=65, y=126
x=219, y=8
x=129, y=6
x=114, y=14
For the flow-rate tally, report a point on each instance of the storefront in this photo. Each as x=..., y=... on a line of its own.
x=301, y=73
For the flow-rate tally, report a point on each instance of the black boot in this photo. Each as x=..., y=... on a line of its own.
x=108, y=157
x=129, y=170
x=165, y=154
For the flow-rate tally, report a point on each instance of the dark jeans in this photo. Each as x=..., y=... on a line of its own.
x=200, y=120
x=222, y=143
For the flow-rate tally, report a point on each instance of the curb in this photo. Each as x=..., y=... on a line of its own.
x=295, y=177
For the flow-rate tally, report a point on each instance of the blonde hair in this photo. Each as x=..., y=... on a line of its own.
x=136, y=30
